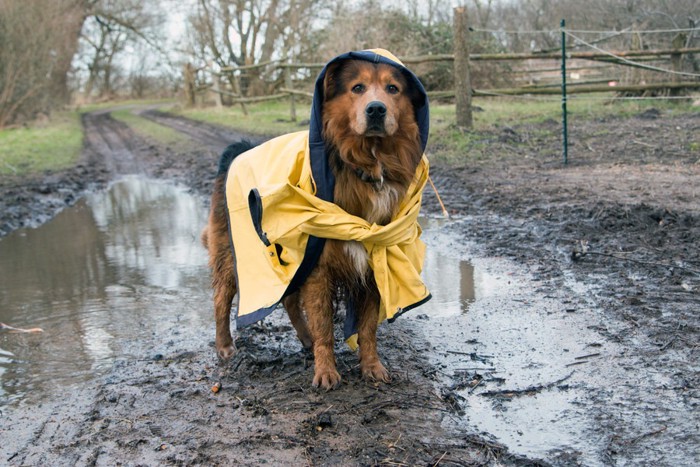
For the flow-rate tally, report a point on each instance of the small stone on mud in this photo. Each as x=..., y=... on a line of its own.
x=216, y=388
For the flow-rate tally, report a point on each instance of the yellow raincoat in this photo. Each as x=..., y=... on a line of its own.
x=278, y=199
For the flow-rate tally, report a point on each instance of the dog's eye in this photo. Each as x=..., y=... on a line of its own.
x=392, y=89
x=358, y=88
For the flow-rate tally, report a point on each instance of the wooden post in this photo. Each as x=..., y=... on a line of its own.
x=216, y=87
x=463, y=88
x=292, y=101
x=676, y=61
x=691, y=56
x=188, y=85
x=564, y=123
x=236, y=88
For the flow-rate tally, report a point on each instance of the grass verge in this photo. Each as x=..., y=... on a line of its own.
x=265, y=118
x=149, y=129
x=51, y=145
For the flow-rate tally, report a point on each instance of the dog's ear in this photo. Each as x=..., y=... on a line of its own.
x=417, y=98
x=332, y=82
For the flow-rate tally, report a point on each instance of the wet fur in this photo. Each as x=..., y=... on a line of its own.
x=373, y=169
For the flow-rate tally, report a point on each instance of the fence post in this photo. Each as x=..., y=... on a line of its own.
x=676, y=62
x=564, y=123
x=189, y=84
x=216, y=86
x=292, y=101
x=463, y=88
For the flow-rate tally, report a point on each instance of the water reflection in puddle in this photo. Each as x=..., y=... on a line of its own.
x=485, y=321
x=97, y=278
x=453, y=282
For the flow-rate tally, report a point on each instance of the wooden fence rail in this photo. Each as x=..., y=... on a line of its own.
x=463, y=91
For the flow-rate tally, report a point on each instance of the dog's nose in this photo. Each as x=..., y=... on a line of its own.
x=375, y=110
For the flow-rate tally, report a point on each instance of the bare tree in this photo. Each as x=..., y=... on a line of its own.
x=110, y=27
x=246, y=32
x=38, y=38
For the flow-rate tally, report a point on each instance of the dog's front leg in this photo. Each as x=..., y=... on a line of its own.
x=372, y=369
x=317, y=299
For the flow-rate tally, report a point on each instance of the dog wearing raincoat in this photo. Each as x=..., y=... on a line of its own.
x=312, y=217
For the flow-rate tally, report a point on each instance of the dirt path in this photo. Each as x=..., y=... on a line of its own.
x=612, y=239
x=160, y=409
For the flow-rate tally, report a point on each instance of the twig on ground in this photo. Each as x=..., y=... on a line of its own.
x=7, y=327
x=527, y=391
x=441, y=457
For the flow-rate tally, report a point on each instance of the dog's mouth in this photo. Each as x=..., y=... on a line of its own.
x=376, y=130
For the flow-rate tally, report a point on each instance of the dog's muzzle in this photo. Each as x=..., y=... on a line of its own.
x=376, y=113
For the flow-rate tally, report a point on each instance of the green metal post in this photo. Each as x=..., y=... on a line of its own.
x=565, y=135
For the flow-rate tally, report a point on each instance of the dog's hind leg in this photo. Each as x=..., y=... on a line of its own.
x=293, y=306
x=317, y=299
x=223, y=278
x=224, y=285
x=368, y=307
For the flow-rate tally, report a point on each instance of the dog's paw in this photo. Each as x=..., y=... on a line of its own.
x=225, y=352
x=326, y=379
x=375, y=372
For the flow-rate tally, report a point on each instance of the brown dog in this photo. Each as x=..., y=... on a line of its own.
x=374, y=146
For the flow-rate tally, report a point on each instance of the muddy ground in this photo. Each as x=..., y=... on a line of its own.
x=621, y=218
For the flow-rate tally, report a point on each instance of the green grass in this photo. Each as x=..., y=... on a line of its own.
x=265, y=118
x=273, y=117
x=117, y=104
x=51, y=145
x=149, y=129
x=453, y=146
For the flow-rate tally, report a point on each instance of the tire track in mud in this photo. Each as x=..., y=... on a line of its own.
x=112, y=143
x=206, y=134
x=266, y=409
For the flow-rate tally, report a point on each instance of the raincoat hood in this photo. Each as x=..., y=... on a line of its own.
x=319, y=161
x=280, y=204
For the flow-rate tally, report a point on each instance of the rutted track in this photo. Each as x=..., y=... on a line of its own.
x=203, y=133
x=158, y=409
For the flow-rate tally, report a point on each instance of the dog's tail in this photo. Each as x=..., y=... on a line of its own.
x=231, y=152
x=217, y=215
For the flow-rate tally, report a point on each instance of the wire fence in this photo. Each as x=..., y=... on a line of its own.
x=628, y=30
x=661, y=62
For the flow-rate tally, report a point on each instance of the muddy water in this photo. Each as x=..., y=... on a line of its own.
x=111, y=276
x=99, y=278
x=511, y=355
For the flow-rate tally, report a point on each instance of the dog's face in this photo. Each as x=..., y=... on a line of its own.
x=367, y=98
x=369, y=117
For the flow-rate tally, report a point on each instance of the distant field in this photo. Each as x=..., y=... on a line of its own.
x=50, y=145
x=490, y=114
x=57, y=143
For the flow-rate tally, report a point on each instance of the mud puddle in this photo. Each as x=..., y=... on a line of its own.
x=509, y=357
x=121, y=278
x=530, y=366
x=99, y=278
